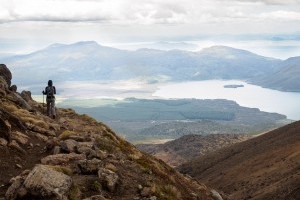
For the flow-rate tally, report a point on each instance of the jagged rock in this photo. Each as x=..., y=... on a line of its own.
x=13, y=119
x=68, y=145
x=15, y=145
x=41, y=137
x=6, y=74
x=89, y=166
x=97, y=197
x=3, y=85
x=56, y=150
x=26, y=95
x=85, y=150
x=20, y=137
x=13, y=88
x=85, y=147
x=12, y=192
x=19, y=166
x=5, y=129
x=111, y=167
x=59, y=159
x=51, y=143
x=108, y=179
x=44, y=182
x=20, y=101
x=215, y=195
x=3, y=142
x=40, y=130
x=101, y=154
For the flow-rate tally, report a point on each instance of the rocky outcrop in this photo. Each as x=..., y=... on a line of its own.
x=6, y=74
x=42, y=182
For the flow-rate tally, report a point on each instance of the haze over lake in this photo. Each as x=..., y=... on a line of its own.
x=287, y=103
x=94, y=94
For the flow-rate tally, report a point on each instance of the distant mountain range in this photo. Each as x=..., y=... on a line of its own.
x=91, y=61
x=287, y=78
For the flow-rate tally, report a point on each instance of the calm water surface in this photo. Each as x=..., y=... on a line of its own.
x=287, y=103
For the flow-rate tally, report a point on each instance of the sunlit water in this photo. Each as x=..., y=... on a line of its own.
x=287, y=103
x=93, y=94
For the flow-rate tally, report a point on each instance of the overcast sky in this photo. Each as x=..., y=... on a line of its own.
x=267, y=27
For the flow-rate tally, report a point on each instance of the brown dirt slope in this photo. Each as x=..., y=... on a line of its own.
x=75, y=157
x=185, y=148
x=265, y=167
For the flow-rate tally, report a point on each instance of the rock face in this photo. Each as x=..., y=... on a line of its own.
x=6, y=74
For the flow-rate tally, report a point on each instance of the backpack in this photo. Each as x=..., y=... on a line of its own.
x=50, y=91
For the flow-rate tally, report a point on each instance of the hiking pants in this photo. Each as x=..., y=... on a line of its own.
x=51, y=107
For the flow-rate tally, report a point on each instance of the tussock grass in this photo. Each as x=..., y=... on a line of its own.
x=106, y=144
x=66, y=134
x=167, y=192
x=96, y=186
x=25, y=115
x=62, y=169
x=74, y=193
x=88, y=119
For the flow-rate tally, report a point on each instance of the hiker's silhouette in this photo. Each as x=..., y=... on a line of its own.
x=50, y=91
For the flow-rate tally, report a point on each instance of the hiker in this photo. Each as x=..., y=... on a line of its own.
x=50, y=91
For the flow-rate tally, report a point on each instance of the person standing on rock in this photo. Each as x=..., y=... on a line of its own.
x=50, y=91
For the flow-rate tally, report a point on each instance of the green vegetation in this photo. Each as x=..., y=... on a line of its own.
x=74, y=193
x=143, y=119
x=62, y=169
x=96, y=186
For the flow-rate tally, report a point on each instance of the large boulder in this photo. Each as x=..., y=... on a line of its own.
x=6, y=74
x=45, y=182
x=108, y=178
x=26, y=95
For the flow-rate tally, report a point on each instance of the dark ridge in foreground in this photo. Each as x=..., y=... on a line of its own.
x=265, y=167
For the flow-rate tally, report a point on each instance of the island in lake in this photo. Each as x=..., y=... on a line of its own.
x=233, y=86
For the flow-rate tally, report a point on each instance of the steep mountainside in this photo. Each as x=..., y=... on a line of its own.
x=286, y=79
x=75, y=157
x=265, y=167
x=188, y=147
x=96, y=62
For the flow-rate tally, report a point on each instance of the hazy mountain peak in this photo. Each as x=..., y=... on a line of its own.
x=86, y=43
x=223, y=49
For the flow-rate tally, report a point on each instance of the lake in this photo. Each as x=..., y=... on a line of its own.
x=287, y=103
x=93, y=94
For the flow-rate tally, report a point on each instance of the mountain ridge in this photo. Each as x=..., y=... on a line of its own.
x=75, y=157
x=95, y=62
x=264, y=167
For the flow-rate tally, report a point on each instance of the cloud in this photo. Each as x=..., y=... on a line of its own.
x=273, y=2
x=128, y=12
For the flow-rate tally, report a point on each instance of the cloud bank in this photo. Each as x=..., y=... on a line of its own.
x=126, y=12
